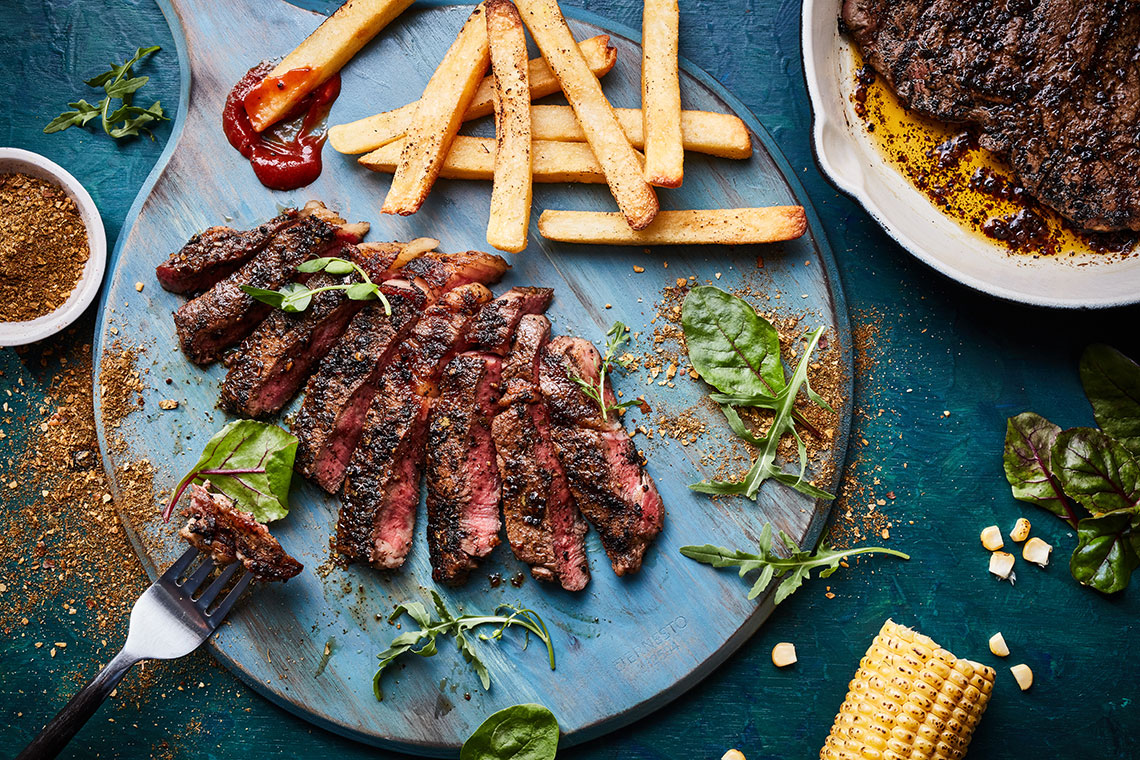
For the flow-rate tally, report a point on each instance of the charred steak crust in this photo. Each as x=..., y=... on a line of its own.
x=223, y=315
x=544, y=527
x=216, y=252
x=494, y=325
x=218, y=528
x=462, y=475
x=1052, y=85
x=605, y=472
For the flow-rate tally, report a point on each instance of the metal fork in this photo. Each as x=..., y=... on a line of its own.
x=167, y=622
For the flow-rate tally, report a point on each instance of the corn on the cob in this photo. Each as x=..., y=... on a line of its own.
x=909, y=700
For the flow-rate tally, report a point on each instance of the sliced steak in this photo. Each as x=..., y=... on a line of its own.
x=337, y=397
x=544, y=527
x=605, y=472
x=444, y=271
x=381, y=484
x=494, y=325
x=224, y=314
x=462, y=476
x=1052, y=85
x=218, y=528
x=215, y=253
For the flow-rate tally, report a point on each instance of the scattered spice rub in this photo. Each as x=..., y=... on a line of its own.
x=43, y=247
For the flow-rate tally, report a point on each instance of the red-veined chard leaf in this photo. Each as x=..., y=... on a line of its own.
x=1029, y=442
x=252, y=463
x=1107, y=552
x=1096, y=471
x=1112, y=383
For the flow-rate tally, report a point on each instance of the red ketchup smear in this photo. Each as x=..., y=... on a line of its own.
x=287, y=155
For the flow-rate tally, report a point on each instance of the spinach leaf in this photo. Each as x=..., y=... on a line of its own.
x=733, y=348
x=1106, y=553
x=1096, y=471
x=1029, y=442
x=522, y=732
x=1112, y=383
x=252, y=463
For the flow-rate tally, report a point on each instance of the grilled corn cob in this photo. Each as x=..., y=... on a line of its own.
x=910, y=700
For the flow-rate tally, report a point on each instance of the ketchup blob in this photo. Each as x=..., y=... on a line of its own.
x=287, y=155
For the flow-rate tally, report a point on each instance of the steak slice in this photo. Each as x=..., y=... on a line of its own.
x=494, y=325
x=218, y=528
x=544, y=527
x=605, y=472
x=462, y=476
x=224, y=314
x=1053, y=87
x=216, y=252
x=381, y=484
x=337, y=398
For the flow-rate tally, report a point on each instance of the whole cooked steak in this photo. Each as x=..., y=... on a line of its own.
x=1053, y=87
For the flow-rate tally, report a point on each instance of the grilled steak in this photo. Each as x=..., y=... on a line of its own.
x=213, y=254
x=462, y=476
x=1052, y=85
x=223, y=315
x=458, y=269
x=494, y=325
x=544, y=527
x=227, y=534
x=605, y=473
x=381, y=485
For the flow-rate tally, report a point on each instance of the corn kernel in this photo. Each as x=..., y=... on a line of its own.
x=991, y=538
x=1036, y=551
x=1001, y=565
x=1023, y=675
x=784, y=654
x=1020, y=530
x=998, y=645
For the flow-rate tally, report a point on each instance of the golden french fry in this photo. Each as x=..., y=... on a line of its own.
x=511, y=193
x=717, y=134
x=372, y=132
x=624, y=172
x=661, y=93
x=728, y=226
x=474, y=158
x=321, y=55
x=439, y=113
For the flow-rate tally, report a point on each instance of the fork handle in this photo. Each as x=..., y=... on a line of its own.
x=57, y=733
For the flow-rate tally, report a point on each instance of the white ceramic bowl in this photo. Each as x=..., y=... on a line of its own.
x=853, y=163
x=16, y=161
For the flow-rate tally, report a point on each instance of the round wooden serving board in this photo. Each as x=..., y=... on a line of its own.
x=624, y=646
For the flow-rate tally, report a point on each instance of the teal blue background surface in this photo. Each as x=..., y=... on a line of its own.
x=940, y=349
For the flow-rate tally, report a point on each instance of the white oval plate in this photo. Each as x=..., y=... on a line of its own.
x=15, y=160
x=852, y=162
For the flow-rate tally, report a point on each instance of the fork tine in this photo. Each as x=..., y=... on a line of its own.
x=174, y=572
x=211, y=593
x=198, y=578
x=224, y=606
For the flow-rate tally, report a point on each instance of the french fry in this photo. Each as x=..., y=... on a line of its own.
x=438, y=115
x=624, y=172
x=372, y=132
x=661, y=93
x=474, y=158
x=511, y=193
x=717, y=134
x=729, y=226
x=321, y=55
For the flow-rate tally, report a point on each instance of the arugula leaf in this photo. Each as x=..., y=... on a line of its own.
x=294, y=297
x=1029, y=440
x=732, y=348
x=521, y=732
x=1107, y=552
x=127, y=120
x=1112, y=384
x=616, y=337
x=1096, y=471
x=797, y=566
x=457, y=626
x=252, y=463
x=83, y=113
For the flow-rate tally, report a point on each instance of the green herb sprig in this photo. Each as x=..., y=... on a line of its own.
x=457, y=626
x=737, y=352
x=295, y=297
x=128, y=120
x=520, y=732
x=1088, y=477
x=616, y=337
x=249, y=461
x=797, y=565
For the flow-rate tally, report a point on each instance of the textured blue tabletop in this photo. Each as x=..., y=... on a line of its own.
x=940, y=369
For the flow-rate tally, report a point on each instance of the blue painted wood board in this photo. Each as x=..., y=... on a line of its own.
x=631, y=644
x=940, y=348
